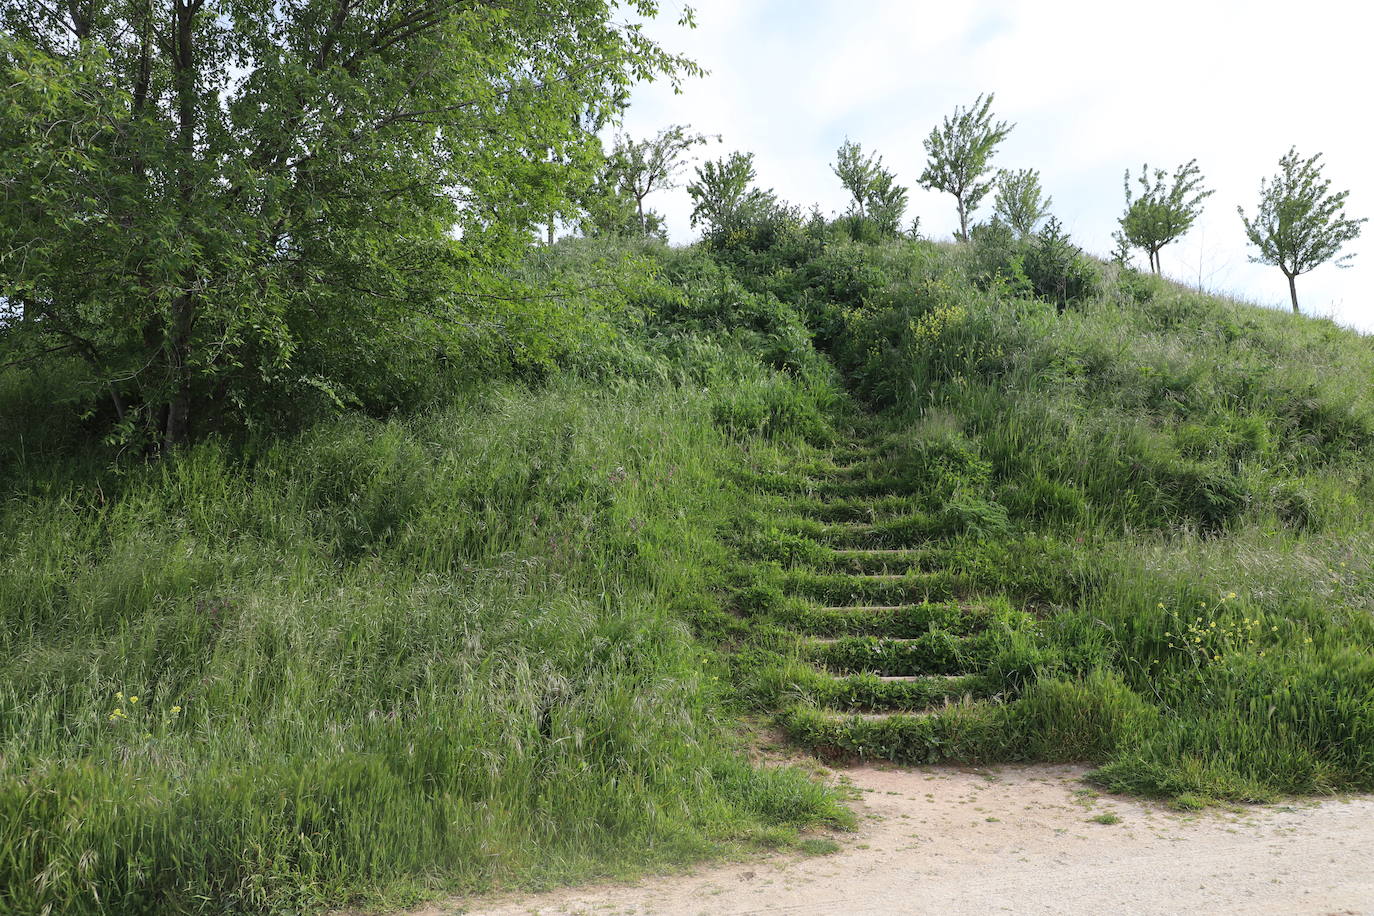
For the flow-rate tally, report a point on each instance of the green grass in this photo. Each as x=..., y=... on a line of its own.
x=375, y=661
x=502, y=642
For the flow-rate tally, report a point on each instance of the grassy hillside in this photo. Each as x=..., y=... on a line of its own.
x=1173, y=490
x=382, y=657
x=503, y=638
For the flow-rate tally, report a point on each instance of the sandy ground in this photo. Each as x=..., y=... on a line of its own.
x=1019, y=840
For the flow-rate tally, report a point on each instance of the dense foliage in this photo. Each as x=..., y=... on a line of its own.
x=254, y=203
x=346, y=642
x=468, y=545
x=1175, y=487
x=380, y=659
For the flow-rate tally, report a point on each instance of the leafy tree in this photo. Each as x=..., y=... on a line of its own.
x=723, y=197
x=1300, y=224
x=1019, y=202
x=248, y=201
x=960, y=152
x=887, y=202
x=877, y=196
x=605, y=208
x=856, y=172
x=1165, y=210
x=640, y=167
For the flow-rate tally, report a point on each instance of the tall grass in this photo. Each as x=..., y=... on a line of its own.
x=374, y=660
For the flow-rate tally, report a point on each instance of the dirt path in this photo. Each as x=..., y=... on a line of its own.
x=1021, y=840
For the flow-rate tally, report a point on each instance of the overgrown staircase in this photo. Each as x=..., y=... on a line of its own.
x=881, y=647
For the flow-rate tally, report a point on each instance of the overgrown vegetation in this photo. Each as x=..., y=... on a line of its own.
x=480, y=642
x=1172, y=485
x=383, y=658
x=353, y=546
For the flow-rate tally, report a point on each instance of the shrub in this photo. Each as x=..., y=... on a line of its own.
x=1056, y=268
x=996, y=259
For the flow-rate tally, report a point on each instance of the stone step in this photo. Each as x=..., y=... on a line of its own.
x=966, y=731
x=887, y=693
x=935, y=652
x=881, y=560
x=881, y=588
x=885, y=619
x=852, y=510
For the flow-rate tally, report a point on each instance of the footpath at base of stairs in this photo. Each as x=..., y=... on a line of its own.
x=1018, y=840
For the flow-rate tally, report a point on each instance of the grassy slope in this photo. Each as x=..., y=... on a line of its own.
x=379, y=658
x=1181, y=486
x=455, y=649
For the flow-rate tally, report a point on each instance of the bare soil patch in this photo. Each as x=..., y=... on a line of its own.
x=1012, y=839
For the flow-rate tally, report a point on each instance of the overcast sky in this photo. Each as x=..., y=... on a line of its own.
x=1093, y=88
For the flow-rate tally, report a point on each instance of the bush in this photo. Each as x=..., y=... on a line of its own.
x=1056, y=268
x=995, y=259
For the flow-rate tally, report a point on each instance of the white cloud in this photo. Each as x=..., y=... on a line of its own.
x=1093, y=87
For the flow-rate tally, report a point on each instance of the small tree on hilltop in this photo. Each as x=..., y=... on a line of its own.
x=960, y=153
x=723, y=198
x=887, y=202
x=640, y=167
x=877, y=196
x=855, y=171
x=1019, y=202
x=1165, y=210
x=1056, y=268
x=1300, y=224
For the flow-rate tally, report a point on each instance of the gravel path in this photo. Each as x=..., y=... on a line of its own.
x=1019, y=840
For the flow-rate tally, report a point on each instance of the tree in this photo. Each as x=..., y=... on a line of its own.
x=960, y=152
x=247, y=201
x=605, y=208
x=1300, y=224
x=856, y=172
x=887, y=203
x=1018, y=201
x=723, y=197
x=641, y=167
x=1164, y=211
x=875, y=191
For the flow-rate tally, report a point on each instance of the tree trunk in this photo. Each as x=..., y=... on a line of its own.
x=177, y=343
x=118, y=402
x=1293, y=292
x=963, y=220
x=178, y=352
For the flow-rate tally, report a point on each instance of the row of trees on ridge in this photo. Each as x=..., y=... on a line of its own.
x=1299, y=224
